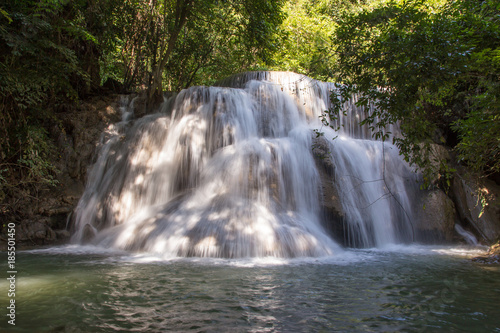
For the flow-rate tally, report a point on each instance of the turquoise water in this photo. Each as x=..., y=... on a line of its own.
x=405, y=289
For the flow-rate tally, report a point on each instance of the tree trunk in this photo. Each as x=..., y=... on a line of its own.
x=155, y=90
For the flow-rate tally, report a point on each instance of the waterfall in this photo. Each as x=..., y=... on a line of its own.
x=377, y=191
x=228, y=171
x=376, y=187
x=467, y=235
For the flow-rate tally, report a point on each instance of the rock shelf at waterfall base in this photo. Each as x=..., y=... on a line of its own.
x=236, y=171
x=492, y=257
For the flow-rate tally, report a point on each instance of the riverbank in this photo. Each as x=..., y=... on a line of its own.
x=492, y=257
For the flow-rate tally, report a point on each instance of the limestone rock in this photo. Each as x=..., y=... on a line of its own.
x=493, y=256
x=331, y=208
x=89, y=233
x=438, y=154
x=42, y=216
x=139, y=106
x=62, y=234
x=436, y=218
x=485, y=221
x=37, y=232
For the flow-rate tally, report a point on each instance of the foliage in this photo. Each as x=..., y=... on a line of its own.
x=433, y=69
x=55, y=52
x=227, y=37
x=305, y=45
x=180, y=43
x=39, y=66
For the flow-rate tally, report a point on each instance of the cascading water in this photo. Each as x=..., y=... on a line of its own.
x=376, y=187
x=229, y=172
x=377, y=191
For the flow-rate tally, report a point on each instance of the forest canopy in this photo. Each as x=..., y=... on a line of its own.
x=54, y=53
x=432, y=66
x=435, y=68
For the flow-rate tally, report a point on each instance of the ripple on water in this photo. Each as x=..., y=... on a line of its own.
x=410, y=289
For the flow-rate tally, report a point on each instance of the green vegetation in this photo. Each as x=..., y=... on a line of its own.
x=53, y=53
x=39, y=71
x=175, y=44
x=435, y=69
x=432, y=66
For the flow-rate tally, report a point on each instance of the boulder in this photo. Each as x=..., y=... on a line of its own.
x=88, y=233
x=436, y=217
x=438, y=156
x=38, y=232
x=478, y=205
x=62, y=234
x=331, y=208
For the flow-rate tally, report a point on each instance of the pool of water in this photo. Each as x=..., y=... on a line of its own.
x=402, y=289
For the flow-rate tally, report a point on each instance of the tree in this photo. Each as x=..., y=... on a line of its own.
x=55, y=52
x=306, y=43
x=224, y=38
x=172, y=40
x=433, y=69
x=40, y=70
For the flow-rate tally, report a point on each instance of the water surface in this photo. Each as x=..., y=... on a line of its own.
x=410, y=289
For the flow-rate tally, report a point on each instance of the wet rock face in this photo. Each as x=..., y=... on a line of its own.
x=478, y=205
x=434, y=211
x=37, y=232
x=88, y=234
x=331, y=213
x=438, y=154
x=77, y=144
x=81, y=135
x=436, y=218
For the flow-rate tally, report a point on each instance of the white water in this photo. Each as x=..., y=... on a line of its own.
x=229, y=172
x=468, y=236
x=377, y=190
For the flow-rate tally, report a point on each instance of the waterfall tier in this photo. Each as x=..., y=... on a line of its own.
x=228, y=171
